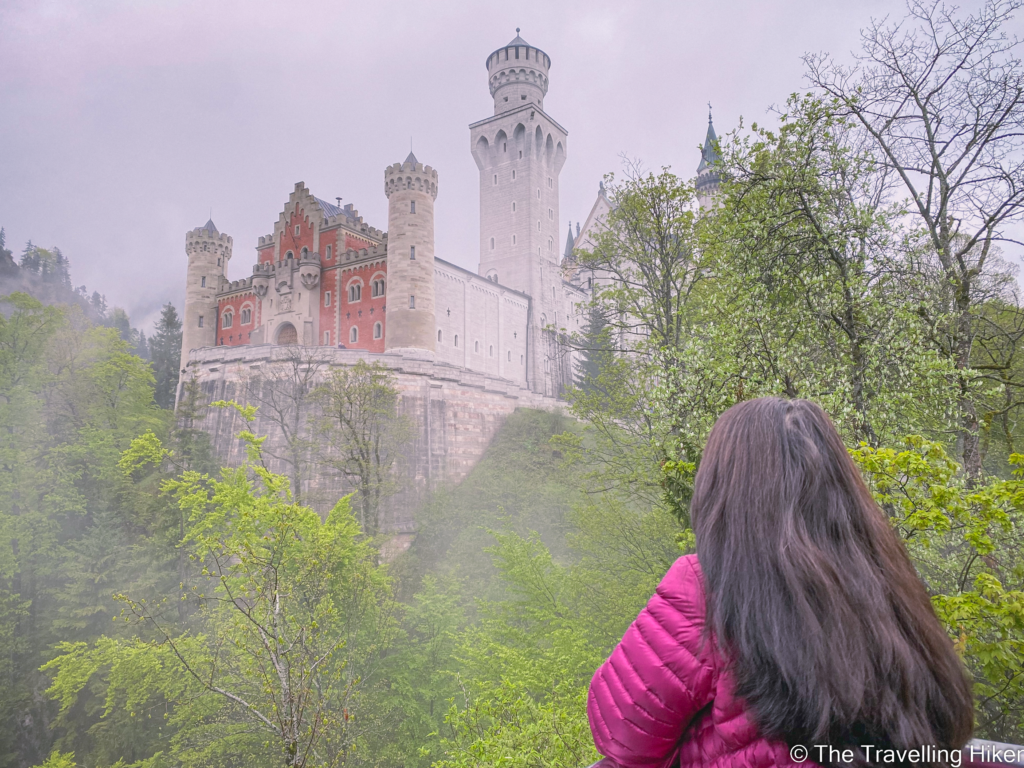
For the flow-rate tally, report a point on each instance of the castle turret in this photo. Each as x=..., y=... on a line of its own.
x=411, y=188
x=518, y=74
x=708, y=176
x=208, y=254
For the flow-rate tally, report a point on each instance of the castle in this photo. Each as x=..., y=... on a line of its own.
x=470, y=346
x=325, y=277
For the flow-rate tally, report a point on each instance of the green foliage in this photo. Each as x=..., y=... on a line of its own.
x=72, y=396
x=362, y=435
x=291, y=613
x=966, y=542
x=165, y=352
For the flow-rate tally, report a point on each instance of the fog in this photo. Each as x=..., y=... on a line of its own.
x=125, y=124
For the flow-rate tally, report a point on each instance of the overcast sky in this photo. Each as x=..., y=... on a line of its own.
x=123, y=124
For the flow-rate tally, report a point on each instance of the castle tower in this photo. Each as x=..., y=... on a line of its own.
x=411, y=189
x=520, y=151
x=208, y=254
x=707, y=177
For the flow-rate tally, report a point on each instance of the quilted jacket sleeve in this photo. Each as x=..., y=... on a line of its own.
x=658, y=677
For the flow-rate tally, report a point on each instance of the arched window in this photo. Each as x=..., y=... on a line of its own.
x=355, y=292
x=327, y=338
x=412, y=206
x=298, y=230
x=304, y=253
x=378, y=330
x=353, y=334
x=513, y=206
x=229, y=318
x=492, y=243
x=289, y=255
x=490, y=351
x=246, y=316
x=328, y=251
x=377, y=288
x=456, y=336
x=476, y=346
x=439, y=335
x=510, y=355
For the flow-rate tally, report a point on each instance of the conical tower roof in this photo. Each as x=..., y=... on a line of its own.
x=569, y=241
x=709, y=152
x=411, y=158
x=517, y=40
x=209, y=226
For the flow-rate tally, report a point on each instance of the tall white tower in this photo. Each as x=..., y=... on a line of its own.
x=208, y=254
x=411, y=188
x=520, y=152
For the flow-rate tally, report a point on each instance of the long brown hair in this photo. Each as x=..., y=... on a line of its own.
x=811, y=594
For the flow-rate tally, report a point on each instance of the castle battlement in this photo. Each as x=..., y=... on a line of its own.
x=410, y=175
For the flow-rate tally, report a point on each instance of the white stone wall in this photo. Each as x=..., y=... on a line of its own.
x=456, y=412
x=490, y=321
x=520, y=154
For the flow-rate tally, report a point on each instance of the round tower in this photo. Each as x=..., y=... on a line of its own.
x=411, y=189
x=518, y=75
x=208, y=254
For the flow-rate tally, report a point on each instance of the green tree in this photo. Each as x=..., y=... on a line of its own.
x=940, y=99
x=165, y=352
x=965, y=538
x=363, y=434
x=288, y=626
x=595, y=348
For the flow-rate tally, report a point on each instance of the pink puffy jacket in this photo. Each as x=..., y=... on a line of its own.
x=664, y=698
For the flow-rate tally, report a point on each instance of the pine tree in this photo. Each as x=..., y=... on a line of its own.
x=142, y=346
x=30, y=258
x=7, y=263
x=595, y=349
x=165, y=352
x=99, y=303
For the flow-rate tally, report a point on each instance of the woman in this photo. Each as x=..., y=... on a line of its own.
x=799, y=623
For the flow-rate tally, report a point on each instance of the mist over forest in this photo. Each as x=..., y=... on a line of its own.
x=168, y=599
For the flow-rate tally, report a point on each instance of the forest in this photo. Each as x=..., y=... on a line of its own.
x=158, y=609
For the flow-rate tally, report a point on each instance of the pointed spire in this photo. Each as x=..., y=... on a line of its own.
x=411, y=158
x=517, y=40
x=709, y=151
x=210, y=226
x=569, y=242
